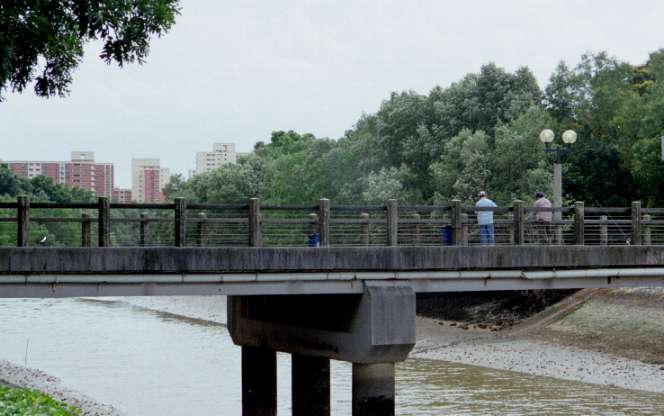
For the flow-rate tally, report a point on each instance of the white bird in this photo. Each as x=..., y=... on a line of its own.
x=43, y=240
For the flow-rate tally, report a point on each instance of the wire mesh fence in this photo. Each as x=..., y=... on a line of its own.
x=358, y=226
x=487, y=226
x=8, y=224
x=424, y=225
x=652, y=226
x=549, y=226
x=607, y=226
x=141, y=227
x=217, y=226
x=241, y=225
x=289, y=226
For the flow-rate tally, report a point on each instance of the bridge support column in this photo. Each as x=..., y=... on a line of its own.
x=372, y=330
x=373, y=389
x=259, y=381
x=310, y=385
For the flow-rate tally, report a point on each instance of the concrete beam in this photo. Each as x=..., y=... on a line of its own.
x=377, y=326
x=144, y=260
x=49, y=286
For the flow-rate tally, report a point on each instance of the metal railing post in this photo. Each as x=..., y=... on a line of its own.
x=457, y=226
x=324, y=221
x=647, y=230
x=365, y=229
x=86, y=238
x=392, y=222
x=255, y=239
x=517, y=225
x=180, y=222
x=143, y=229
x=22, y=221
x=636, y=222
x=104, y=221
x=200, y=229
x=603, y=230
x=579, y=214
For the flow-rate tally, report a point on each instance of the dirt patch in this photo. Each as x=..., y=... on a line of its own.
x=624, y=322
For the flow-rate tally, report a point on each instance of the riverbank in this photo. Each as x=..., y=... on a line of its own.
x=601, y=336
x=17, y=376
x=607, y=337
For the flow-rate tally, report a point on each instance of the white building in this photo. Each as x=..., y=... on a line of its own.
x=221, y=154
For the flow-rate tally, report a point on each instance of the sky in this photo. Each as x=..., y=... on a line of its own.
x=236, y=71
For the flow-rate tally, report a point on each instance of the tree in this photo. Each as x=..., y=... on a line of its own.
x=48, y=37
x=464, y=167
x=519, y=162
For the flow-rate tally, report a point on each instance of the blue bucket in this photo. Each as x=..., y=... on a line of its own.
x=446, y=235
x=314, y=240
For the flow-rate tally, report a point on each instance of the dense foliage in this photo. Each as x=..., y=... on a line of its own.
x=478, y=133
x=26, y=402
x=48, y=37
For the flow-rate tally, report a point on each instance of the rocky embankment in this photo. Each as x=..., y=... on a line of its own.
x=18, y=376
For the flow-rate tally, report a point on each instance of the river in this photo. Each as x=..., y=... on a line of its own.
x=149, y=363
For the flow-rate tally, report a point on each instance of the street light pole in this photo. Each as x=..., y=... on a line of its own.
x=557, y=186
x=569, y=137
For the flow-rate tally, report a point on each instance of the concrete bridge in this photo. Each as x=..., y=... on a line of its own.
x=348, y=301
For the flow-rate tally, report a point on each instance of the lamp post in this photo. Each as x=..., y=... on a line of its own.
x=569, y=137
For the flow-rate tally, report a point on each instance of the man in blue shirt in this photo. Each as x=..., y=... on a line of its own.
x=485, y=219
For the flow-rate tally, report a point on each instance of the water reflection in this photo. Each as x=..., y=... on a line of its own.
x=149, y=363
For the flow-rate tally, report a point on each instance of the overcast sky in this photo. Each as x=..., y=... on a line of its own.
x=235, y=71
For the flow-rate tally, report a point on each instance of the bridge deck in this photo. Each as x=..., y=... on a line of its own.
x=57, y=272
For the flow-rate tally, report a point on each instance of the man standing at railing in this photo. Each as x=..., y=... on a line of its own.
x=485, y=219
x=543, y=217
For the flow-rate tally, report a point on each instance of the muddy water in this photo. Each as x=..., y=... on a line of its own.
x=149, y=363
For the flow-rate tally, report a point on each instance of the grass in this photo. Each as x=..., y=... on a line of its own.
x=26, y=402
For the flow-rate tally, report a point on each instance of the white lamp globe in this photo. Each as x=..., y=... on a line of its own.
x=547, y=136
x=569, y=137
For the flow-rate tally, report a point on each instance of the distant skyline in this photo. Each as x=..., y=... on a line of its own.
x=235, y=72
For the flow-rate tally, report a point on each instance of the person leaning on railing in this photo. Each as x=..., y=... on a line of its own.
x=543, y=218
x=485, y=219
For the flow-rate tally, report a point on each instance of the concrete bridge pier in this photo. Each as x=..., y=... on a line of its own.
x=372, y=330
x=310, y=385
x=373, y=389
x=259, y=381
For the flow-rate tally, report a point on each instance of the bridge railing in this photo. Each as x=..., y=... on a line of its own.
x=107, y=224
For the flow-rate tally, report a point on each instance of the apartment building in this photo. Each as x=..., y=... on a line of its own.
x=221, y=154
x=81, y=171
x=148, y=180
x=122, y=195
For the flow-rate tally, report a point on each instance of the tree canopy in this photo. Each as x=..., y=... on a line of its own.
x=42, y=41
x=478, y=133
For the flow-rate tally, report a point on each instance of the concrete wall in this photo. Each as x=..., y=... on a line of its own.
x=137, y=260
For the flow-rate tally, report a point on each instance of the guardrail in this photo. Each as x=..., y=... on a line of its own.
x=179, y=224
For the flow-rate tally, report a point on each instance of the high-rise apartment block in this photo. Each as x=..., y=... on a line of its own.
x=80, y=172
x=148, y=180
x=122, y=195
x=221, y=154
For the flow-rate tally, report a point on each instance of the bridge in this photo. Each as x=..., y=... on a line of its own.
x=320, y=282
